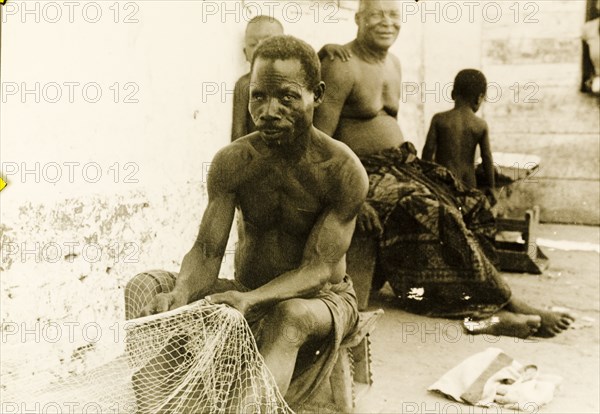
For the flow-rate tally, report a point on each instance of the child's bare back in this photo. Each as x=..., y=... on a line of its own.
x=458, y=132
x=454, y=135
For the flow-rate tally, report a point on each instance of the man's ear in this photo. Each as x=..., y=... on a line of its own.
x=357, y=18
x=480, y=99
x=453, y=95
x=319, y=93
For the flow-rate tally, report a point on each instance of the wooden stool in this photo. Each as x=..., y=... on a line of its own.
x=351, y=375
x=517, y=256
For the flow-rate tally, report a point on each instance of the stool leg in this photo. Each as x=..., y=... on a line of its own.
x=362, y=362
x=341, y=381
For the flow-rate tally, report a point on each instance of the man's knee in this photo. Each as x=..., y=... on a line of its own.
x=138, y=292
x=292, y=321
x=140, y=285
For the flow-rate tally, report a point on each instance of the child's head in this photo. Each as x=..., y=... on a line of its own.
x=470, y=86
x=258, y=29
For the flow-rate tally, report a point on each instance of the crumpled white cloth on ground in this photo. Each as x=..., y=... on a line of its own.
x=491, y=377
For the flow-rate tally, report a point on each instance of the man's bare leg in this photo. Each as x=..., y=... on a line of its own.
x=506, y=323
x=292, y=323
x=153, y=384
x=522, y=320
x=552, y=323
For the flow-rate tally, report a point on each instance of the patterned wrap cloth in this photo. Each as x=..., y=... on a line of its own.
x=436, y=250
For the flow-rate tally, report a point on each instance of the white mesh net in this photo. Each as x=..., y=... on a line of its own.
x=200, y=358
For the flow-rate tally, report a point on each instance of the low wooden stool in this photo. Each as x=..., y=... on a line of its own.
x=351, y=375
x=521, y=256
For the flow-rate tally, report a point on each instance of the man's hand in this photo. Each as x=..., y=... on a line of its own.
x=238, y=300
x=368, y=220
x=332, y=51
x=164, y=302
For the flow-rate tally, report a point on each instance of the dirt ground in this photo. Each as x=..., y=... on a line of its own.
x=411, y=352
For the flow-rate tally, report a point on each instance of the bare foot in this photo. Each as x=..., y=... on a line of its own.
x=506, y=323
x=554, y=322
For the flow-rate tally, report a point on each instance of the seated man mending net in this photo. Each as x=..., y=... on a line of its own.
x=298, y=192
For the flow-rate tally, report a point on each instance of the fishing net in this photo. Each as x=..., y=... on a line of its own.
x=200, y=358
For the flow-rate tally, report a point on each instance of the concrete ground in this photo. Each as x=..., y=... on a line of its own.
x=411, y=352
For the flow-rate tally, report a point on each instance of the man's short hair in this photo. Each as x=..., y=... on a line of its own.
x=261, y=18
x=288, y=47
x=469, y=84
x=363, y=4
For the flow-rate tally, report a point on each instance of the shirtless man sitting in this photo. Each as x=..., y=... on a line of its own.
x=360, y=109
x=298, y=192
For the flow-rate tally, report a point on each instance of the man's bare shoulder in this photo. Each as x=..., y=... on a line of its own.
x=230, y=162
x=339, y=71
x=347, y=173
x=332, y=149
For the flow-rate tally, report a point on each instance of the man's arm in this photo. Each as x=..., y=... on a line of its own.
x=200, y=266
x=431, y=142
x=327, y=244
x=339, y=81
x=240, y=108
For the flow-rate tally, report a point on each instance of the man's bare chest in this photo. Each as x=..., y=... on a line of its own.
x=284, y=198
x=377, y=87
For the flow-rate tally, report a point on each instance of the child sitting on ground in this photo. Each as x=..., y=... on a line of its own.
x=454, y=135
x=260, y=28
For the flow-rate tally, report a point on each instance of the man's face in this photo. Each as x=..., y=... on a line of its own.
x=281, y=104
x=379, y=23
x=256, y=33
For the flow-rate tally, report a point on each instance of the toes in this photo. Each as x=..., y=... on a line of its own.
x=563, y=324
x=568, y=317
x=556, y=330
x=534, y=322
x=544, y=332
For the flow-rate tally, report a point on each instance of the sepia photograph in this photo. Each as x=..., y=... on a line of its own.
x=299, y=206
